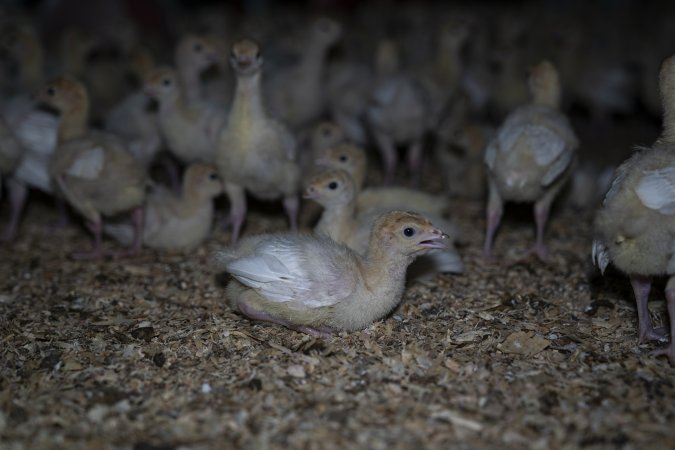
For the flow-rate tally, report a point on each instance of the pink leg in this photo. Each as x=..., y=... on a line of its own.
x=415, y=162
x=292, y=206
x=96, y=227
x=541, y=211
x=255, y=314
x=388, y=152
x=493, y=215
x=17, y=199
x=669, y=351
x=237, y=197
x=641, y=287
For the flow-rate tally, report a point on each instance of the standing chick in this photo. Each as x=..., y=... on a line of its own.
x=297, y=95
x=177, y=222
x=399, y=113
x=635, y=229
x=255, y=153
x=190, y=129
x=531, y=156
x=93, y=170
x=314, y=285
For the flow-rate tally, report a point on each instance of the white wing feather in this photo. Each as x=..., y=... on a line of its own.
x=279, y=271
x=656, y=190
x=88, y=164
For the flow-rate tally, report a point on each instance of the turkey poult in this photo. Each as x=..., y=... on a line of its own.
x=635, y=228
x=177, y=222
x=255, y=153
x=316, y=286
x=530, y=157
x=92, y=170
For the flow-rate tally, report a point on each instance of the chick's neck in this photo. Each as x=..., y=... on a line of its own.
x=337, y=221
x=383, y=263
x=74, y=121
x=247, y=101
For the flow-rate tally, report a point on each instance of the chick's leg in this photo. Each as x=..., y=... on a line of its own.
x=495, y=209
x=237, y=198
x=641, y=287
x=292, y=206
x=669, y=351
x=96, y=227
x=388, y=152
x=17, y=199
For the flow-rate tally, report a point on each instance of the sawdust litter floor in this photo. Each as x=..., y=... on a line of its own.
x=144, y=354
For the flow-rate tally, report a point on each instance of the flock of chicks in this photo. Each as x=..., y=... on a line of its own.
x=262, y=137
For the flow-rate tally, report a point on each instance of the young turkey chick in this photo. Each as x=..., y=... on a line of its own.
x=255, y=153
x=531, y=156
x=177, y=222
x=635, y=228
x=296, y=95
x=399, y=113
x=335, y=191
x=352, y=159
x=94, y=172
x=316, y=286
x=190, y=130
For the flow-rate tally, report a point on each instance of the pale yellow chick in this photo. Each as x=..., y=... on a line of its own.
x=635, y=228
x=93, y=170
x=255, y=153
x=177, y=221
x=314, y=285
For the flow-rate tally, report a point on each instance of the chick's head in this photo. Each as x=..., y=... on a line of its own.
x=162, y=84
x=327, y=134
x=63, y=94
x=197, y=51
x=203, y=179
x=245, y=58
x=330, y=188
x=348, y=157
x=407, y=233
x=543, y=79
x=326, y=31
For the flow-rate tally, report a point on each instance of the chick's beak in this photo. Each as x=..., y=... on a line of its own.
x=310, y=193
x=435, y=239
x=322, y=161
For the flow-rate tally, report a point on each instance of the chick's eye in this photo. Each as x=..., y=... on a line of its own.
x=50, y=91
x=333, y=185
x=343, y=158
x=166, y=82
x=213, y=176
x=197, y=48
x=409, y=232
